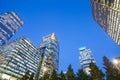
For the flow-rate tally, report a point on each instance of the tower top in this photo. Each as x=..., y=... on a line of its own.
x=53, y=36
x=82, y=48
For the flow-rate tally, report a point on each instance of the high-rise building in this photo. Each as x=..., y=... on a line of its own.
x=85, y=58
x=18, y=57
x=107, y=14
x=51, y=54
x=10, y=23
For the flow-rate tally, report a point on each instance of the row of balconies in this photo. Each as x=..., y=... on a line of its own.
x=109, y=3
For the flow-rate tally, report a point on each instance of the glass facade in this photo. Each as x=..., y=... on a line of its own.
x=85, y=58
x=10, y=23
x=51, y=54
x=107, y=14
x=18, y=57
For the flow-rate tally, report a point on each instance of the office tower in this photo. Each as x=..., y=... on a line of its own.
x=85, y=58
x=107, y=14
x=10, y=23
x=51, y=54
x=18, y=57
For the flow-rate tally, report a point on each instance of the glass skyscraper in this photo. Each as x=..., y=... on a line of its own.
x=10, y=23
x=51, y=54
x=107, y=14
x=85, y=58
x=18, y=57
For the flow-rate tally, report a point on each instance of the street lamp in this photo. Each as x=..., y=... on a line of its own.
x=44, y=69
x=116, y=62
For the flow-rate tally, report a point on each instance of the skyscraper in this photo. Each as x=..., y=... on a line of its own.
x=85, y=58
x=10, y=23
x=18, y=57
x=107, y=14
x=51, y=54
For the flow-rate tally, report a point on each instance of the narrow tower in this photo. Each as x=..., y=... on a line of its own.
x=51, y=54
x=85, y=58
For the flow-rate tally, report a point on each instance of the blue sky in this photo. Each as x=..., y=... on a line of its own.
x=72, y=22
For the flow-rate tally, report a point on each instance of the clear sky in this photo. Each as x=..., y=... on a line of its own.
x=72, y=22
